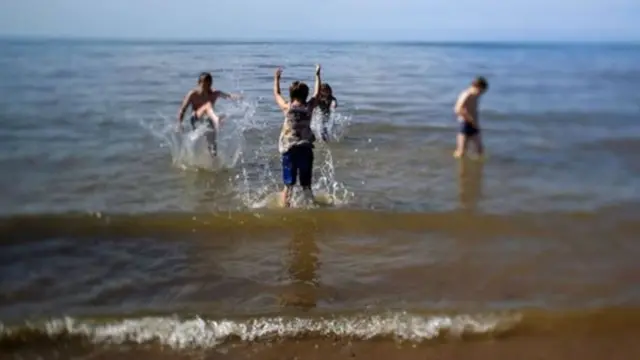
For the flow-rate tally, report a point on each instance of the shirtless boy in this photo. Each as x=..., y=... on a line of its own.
x=466, y=109
x=202, y=100
x=296, y=138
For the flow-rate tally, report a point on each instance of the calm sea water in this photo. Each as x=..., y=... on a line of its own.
x=115, y=229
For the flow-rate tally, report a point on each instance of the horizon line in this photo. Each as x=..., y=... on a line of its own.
x=257, y=40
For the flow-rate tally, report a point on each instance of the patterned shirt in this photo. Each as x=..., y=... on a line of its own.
x=296, y=129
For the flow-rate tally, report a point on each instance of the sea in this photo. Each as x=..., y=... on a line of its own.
x=121, y=238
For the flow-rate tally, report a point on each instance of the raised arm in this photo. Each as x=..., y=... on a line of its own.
x=276, y=91
x=316, y=89
x=183, y=107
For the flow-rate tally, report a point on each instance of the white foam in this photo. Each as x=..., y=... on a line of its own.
x=202, y=333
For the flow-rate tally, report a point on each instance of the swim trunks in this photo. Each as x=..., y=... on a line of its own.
x=468, y=130
x=298, y=161
x=210, y=134
x=195, y=121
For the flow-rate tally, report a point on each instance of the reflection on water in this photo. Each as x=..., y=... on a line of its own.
x=203, y=190
x=303, y=264
x=470, y=174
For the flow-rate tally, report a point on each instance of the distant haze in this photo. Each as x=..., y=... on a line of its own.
x=369, y=20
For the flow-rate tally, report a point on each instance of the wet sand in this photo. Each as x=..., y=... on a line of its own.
x=552, y=348
x=619, y=346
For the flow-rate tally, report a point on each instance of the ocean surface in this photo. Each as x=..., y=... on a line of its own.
x=121, y=239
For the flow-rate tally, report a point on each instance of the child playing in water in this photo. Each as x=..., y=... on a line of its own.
x=326, y=103
x=296, y=138
x=202, y=100
x=466, y=109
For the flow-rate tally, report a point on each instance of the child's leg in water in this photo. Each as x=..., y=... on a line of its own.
x=305, y=161
x=214, y=122
x=325, y=127
x=289, y=175
x=477, y=142
x=211, y=136
x=325, y=134
x=286, y=195
x=461, y=147
x=287, y=192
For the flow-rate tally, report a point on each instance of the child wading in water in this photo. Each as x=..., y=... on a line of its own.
x=202, y=100
x=296, y=138
x=326, y=103
x=466, y=109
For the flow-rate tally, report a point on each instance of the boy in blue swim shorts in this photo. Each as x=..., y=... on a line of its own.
x=466, y=109
x=296, y=138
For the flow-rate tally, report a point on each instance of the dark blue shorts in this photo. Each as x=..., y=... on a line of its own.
x=210, y=135
x=468, y=130
x=298, y=161
x=195, y=121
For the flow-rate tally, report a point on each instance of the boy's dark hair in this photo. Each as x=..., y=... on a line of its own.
x=205, y=76
x=481, y=83
x=299, y=91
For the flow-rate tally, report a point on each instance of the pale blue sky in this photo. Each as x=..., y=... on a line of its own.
x=439, y=20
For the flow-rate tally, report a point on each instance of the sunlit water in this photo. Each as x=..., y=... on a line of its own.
x=118, y=230
x=95, y=131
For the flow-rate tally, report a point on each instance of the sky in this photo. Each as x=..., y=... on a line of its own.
x=330, y=20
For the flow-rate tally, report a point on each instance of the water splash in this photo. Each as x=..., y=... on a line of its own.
x=334, y=125
x=247, y=143
x=189, y=147
x=262, y=189
x=326, y=182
